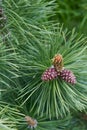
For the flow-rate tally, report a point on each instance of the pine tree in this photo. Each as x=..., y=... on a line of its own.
x=43, y=70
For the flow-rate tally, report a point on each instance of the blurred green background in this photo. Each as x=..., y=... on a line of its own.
x=72, y=13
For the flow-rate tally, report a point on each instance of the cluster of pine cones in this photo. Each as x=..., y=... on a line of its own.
x=57, y=70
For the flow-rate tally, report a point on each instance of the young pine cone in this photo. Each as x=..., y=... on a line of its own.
x=68, y=76
x=32, y=123
x=49, y=74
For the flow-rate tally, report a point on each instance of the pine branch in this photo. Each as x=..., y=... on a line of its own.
x=57, y=97
x=26, y=55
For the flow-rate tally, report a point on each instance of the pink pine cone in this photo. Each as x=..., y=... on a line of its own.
x=68, y=76
x=49, y=74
